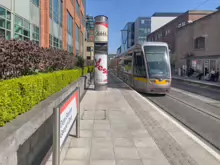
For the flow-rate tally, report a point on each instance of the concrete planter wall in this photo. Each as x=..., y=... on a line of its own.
x=27, y=139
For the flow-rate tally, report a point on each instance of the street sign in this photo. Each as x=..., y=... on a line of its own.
x=65, y=115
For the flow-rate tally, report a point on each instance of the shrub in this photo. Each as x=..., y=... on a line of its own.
x=19, y=58
x=19, y=95
x=80, y=61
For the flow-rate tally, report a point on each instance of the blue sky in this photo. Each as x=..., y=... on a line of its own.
x=120, y=12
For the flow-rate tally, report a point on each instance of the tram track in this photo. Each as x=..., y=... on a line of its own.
x=203, y=123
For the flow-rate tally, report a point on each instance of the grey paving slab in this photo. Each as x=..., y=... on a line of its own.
x=123, y=142
x=87, y=124
x=102, y=162
x=105, y=153
x=156, y=162
x=102, y=142
x=86, y=133
x=150, y=153
x=78, y=153
x=80, y=143
x=144, y=142
x=126, y=153
x=120, y=133
x=75, y=162
x=101, y=126
x=129, y=162
x=101, y=133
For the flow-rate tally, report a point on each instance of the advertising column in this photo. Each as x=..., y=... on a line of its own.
x=101, y=52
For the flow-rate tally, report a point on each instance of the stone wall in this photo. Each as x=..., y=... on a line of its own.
x=28, y=138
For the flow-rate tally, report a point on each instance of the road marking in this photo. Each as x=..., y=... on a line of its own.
x=202, y=98
x=174, y=121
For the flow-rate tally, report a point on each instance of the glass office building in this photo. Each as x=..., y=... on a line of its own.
x=49, y=23
x=142, y=29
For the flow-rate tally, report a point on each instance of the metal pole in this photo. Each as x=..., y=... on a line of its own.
x=56, y=136
x=12, y=18
x=78, y=116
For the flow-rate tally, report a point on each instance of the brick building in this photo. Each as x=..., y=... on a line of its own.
x=90, y=28
x=49, y=23
x=197, y=44
x=167, y=32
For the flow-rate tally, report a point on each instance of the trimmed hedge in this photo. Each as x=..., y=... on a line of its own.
x=19, y=95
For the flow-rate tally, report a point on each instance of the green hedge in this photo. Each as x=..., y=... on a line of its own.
x=19, y=95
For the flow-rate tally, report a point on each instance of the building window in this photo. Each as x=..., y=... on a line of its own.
x=51, y=41
x=77, y=40
x=55, y=42
x=142, y=21
x=167, y=32
x=199, y=43
x=21, y=29
x=51, y=9
x=70, y=48
x=183, y=23
x=70, y=32
x=56, y=11
x=35, y=34
x=81, y=45
x=36, y=2
x=70, y=24
x=179, y=25
x=77, y=8
x=5, y=23
x=88, y=49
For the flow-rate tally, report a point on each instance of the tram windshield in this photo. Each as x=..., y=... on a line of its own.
x=157, y=61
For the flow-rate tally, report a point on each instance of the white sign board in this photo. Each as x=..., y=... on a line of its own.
x=101, y=32
x=101, y=73
x=68, y=113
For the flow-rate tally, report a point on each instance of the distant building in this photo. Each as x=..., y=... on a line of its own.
x=197, y=44
x=127, y=34
x=142, y=27
x=119, y=51
x=90, y=27
x=167, y=33
x=159, y=19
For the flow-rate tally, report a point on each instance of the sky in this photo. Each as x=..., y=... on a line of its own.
x=119, y=12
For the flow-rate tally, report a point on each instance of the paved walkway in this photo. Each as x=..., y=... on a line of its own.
x=190, y=79
x=119, y=127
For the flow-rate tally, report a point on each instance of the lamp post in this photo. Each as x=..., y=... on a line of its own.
x=91, y=50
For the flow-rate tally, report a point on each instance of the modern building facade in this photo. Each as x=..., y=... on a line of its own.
x=90, y=27
x=197, y=44
x=142, y=27
x=127, y=34
x=118, y=50
x=49, y=23
x=167, y=33
x=159, y=19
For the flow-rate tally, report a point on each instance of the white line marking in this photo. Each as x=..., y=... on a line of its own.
x=196, y=139
x=202, y=98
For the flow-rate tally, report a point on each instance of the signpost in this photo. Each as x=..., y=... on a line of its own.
x=65, y=115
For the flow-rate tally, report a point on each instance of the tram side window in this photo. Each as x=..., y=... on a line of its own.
x=139, y=65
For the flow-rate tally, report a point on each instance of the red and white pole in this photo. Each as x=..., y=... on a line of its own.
x=101, y=52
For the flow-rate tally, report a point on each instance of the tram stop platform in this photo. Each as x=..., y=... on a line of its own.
x=120, y=127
